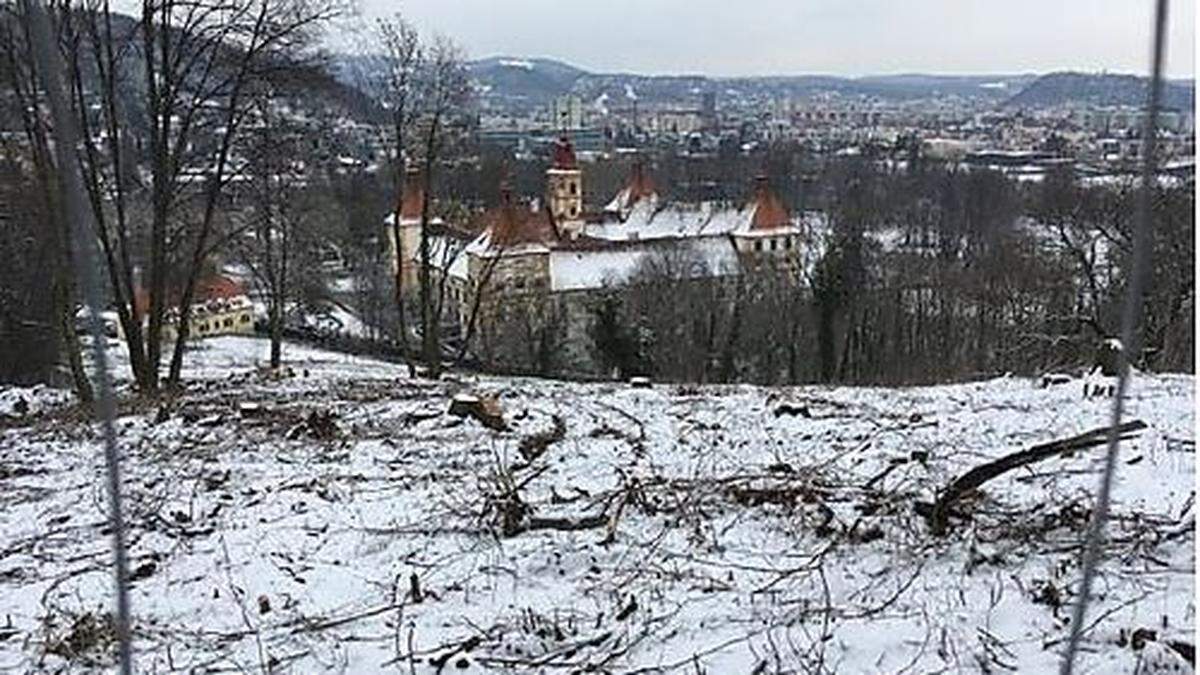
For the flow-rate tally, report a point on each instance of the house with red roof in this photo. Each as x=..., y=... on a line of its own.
x=221, y=306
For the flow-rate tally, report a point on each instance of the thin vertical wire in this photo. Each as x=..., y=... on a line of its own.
x=50, y=69
x=1131, y=316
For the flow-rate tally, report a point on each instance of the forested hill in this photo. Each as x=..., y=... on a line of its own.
x=538, y=80
x=1099, y=89
x=308, y=82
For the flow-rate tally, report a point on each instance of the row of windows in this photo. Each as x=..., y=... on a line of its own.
x=226, y=323
x=774, y=244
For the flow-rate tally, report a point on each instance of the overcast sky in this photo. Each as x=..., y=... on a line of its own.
x=847, y=37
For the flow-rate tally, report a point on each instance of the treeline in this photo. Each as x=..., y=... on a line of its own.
x=913, y=272
x=921, y=274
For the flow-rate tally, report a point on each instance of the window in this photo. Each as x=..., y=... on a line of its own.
x=773, y=244
x=574, y=211
x=787, y=243
x=228, y=323
x=245, y=318
x=574, y=188
x=758, y=246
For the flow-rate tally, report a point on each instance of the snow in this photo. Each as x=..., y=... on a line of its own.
x=345, y=284
x=24, y=401
x=620, y=204
x=650, y=219
x=744, y=537
x=517, y=63
x=584, y=270
x=579, y=270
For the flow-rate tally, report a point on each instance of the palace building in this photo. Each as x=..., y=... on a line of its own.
x=522, y=259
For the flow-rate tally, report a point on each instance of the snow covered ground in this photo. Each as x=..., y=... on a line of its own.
x=338, y=519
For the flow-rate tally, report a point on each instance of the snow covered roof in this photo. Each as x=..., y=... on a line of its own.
x=404, y=219
x=589, y=269
x=459, y=269
x=639, y=186
x=645, y=216
x=653, y=219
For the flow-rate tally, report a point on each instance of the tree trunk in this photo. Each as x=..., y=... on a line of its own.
x=276, y=334
x=69, y=339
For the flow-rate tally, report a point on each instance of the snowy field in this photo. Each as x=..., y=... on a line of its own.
x=339, y=520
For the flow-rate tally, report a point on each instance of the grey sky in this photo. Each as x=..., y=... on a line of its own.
x=851, y=37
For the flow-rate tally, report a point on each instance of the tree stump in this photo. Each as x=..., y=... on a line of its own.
x=486, y=410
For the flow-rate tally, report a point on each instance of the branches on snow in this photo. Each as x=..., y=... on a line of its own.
x=973, y=479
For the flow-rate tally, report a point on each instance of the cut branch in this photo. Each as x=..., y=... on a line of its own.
x=981, y=474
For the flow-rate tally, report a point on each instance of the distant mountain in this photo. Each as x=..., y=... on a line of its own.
x=1098, y=89
x=522, y=83
x=991, y=86
x=508, y=80
x=521, y=79
x=517, y=81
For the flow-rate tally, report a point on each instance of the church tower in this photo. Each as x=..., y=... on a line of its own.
x=564, y=189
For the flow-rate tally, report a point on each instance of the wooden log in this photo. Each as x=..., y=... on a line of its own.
x=981, y=474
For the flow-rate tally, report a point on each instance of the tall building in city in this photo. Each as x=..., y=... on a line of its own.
x=566, y=113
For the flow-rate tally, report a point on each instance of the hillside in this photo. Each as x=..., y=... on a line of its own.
x=534, y=80
x=524, y=81
x=308, y=84
x=337, y=518
x=1057, y=89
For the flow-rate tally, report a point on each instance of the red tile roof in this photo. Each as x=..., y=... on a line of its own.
x=563, y=156
x=414, y=195
x=512, y=224
x=216, y=287
x=640, y=183
x=769, y=211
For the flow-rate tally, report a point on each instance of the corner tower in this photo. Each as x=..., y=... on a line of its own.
x=564, y=188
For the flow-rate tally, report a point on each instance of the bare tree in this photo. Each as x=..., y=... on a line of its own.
x=443, y=91
x=25, y=102
x=237, y=45
x=199, y=62
x=401, y=62
x=278, y=210
x=387, y=67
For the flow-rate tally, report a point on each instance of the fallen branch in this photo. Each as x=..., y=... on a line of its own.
x=981, y=474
